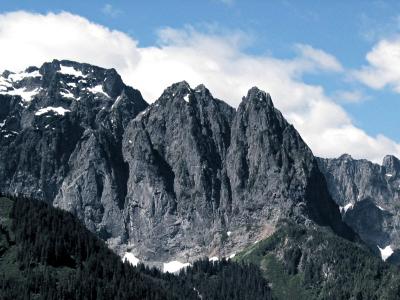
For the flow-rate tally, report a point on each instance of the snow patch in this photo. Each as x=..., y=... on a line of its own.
x=116, y=101
x=174, y=266
x=4, y=84
x=98, y=89
x=130, y=258
x=232, y=255
x=346, y=207
x=70, y=71
x=229, y=233
x=213, y=259
x=186, y=98
x=385, y=252
x=67, y=94
x=381, y=208
x=71, y=84
x=19, y=76
x=57, y=110
x=388, y=175
x=22, y=92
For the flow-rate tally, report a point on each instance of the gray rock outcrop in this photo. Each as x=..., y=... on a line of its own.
x=185, y=177
x=369, y=197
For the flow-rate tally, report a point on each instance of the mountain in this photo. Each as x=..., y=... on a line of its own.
x=369, y=196
x=205, y=179
x=313, y=263
x=45, y=253
x=61, y=132
x=185, y=177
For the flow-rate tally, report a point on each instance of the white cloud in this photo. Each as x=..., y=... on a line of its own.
x=354, y=96
x=31, y=39
x=111, y=11
x=320, y=58
x=218, y=61
x=383, y=66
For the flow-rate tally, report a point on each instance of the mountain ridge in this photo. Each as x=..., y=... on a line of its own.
x=185, y=176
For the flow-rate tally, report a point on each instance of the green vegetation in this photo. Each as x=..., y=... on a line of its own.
x=314, y=263
x=45, y=253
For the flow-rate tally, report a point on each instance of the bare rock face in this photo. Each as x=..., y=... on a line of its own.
x=206, y=180
x=369, y=197
x=186, y=177
x=61, y=135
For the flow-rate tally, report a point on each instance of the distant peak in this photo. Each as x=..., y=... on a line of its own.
x=180, y=86
x=391, y=162
x=345, y=156
x=178, y=90
x=259, y=95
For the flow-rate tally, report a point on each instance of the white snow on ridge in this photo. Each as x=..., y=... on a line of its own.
x=186, y=98
x=70, y=71
x=67, y=94
x=57, y=110
x=71, y=84
x=132, y=259
x=174, y=266
x=116, y=101
x=388, y=175
x=385, y=252
x=232, y=255
x=381, y=208
x=4, y=84
x=25, y=95
x=19, y=76
x=98, y=89
x=346, y=207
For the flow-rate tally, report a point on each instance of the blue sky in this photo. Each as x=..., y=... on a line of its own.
x=346, y=30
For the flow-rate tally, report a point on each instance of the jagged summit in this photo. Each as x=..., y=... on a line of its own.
x=368, y=194
x=70, y=79
x=345, y=156
x=186, y=177
x=255, y=94
x=391, y=163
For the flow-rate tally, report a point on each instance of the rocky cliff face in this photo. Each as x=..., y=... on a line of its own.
x=186, y=177
x=61, y=135
x=206, y=180
x=369, y=198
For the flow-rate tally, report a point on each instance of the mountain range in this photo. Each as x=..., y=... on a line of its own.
x=187, y=176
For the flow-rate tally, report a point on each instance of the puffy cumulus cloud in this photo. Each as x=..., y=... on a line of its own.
x=382, y=69
x=320, y=58
x=31, y=39
x=217, y=60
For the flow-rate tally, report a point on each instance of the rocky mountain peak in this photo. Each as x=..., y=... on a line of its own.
x=391, y=164
x=185, y=177
x=255, y=95
x=345, y=156
x=177, y=92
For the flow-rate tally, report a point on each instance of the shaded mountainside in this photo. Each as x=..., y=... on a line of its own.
x=46, y=253
x=369, y=197
x=206, y=180
x=60, y=137
x=313, y=263
x=186, y=177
